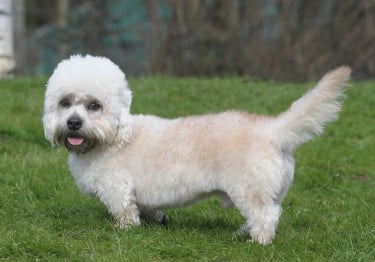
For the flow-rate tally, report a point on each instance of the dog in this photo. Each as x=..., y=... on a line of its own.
x=141, y=164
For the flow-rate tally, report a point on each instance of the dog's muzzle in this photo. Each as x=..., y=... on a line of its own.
x=75, y=140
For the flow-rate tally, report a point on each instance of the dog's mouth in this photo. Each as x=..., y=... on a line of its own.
x=75, y=141
x=78, y=144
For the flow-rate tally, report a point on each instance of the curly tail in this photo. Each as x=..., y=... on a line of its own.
x=308, y=115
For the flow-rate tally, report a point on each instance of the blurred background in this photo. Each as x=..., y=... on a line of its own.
x=285, y=40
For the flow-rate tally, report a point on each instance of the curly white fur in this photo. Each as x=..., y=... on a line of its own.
x=138, y=164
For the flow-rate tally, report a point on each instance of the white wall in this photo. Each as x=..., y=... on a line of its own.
x=7, y=62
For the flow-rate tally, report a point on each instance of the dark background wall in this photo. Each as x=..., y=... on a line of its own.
x=288, y=40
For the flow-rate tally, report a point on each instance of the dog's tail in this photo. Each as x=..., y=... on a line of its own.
x=308, y=115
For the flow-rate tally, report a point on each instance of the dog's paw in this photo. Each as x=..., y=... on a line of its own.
x=127, y=222
x=261, y=239
x=258, y=237
x=155, y=217
x=160, y=218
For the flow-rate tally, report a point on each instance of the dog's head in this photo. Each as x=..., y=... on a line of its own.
x=86, y=104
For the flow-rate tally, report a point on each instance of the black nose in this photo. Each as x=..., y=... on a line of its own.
x=74, y=123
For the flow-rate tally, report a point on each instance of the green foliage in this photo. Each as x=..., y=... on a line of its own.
x=328, y=213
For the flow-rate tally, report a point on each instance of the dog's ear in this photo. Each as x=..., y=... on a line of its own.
x=125, y=127
x=125, y=121
x=49, y=125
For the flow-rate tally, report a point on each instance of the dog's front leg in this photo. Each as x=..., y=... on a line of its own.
x=118, y=196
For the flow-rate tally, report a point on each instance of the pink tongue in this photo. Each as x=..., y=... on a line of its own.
x=75, y=141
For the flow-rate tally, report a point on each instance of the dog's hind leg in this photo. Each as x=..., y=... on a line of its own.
x=261, y=214
x=263, y=222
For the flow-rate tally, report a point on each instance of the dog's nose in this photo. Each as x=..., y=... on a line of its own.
x=74, y=123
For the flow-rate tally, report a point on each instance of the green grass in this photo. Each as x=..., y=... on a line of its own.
x=329, y=212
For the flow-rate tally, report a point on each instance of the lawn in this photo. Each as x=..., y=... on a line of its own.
x=328, y=214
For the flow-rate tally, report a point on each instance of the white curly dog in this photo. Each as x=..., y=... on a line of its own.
x=140, y=164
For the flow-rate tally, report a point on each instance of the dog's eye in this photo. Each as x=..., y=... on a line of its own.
x=94, y=106
x=65, y=103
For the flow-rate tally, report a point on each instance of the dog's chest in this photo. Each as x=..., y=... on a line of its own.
x=84, y=172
